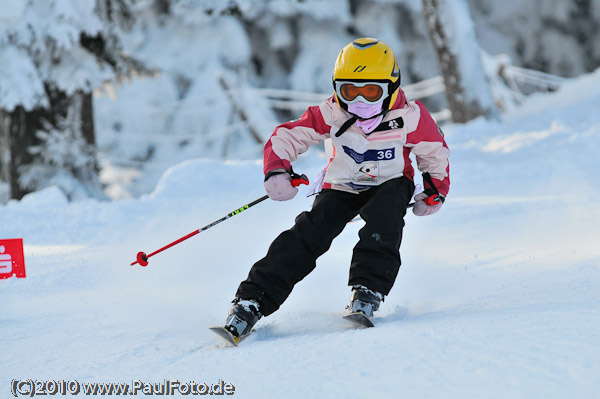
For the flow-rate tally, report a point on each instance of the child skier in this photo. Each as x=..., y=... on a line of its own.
x=373, y=129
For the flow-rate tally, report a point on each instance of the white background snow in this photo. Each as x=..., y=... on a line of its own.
x=498, y=293
x=497, y=296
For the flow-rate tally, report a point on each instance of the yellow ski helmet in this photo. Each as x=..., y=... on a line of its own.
x=368, y=60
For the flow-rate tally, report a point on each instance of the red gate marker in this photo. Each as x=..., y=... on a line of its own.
x=12, y=260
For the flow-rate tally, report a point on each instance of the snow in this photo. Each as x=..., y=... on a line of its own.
x=514, y=27
x=184, y=112
x=21, y=83
x=26, y=35
x=497, y=296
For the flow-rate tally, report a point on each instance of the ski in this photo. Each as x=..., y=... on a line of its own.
x=227, y=335
x=359, y=318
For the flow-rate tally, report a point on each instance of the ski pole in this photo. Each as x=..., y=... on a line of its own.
x=432, y=199
x=142, y=258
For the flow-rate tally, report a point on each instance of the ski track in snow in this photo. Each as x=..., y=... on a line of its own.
x=497, y=296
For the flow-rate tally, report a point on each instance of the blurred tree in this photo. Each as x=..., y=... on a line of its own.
x=453, y=35
x=53, y=55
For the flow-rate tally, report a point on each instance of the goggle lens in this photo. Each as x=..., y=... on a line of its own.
x=370, y=92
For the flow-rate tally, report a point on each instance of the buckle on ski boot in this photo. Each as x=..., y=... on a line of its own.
x=364, y=300
x=242, y=316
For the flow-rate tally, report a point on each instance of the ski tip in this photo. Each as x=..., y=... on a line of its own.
x=226, y=335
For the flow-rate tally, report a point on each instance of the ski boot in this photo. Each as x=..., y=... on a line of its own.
x=242, y=316
x=363, y=302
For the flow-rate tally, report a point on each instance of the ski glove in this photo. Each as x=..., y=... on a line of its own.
x=278, y=185
x=426, y=204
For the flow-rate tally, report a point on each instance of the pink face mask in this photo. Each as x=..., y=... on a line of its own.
x=364, y=110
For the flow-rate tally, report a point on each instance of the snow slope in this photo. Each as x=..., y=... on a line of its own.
x=497, y=296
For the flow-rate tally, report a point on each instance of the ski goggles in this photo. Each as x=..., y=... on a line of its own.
x=367, y=92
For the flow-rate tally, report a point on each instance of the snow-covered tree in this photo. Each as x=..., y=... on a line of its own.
x=554, y=36
x=64, y=156
x=453, y=35
x=53, y=54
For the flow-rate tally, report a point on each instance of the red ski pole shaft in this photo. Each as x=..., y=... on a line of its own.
x=142, y=258
x=193, y=233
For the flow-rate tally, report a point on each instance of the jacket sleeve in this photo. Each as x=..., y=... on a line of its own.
x=431, y=151
x=293, y=138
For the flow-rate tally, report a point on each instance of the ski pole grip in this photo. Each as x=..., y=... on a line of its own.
x=295, y=178
x=298, y=179
x=434, y=199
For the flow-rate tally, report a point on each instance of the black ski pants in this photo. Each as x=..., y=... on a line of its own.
x=293, y=254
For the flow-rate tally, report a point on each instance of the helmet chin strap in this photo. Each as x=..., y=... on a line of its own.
x=358, y=117
x=353, y=119
x=346, y=126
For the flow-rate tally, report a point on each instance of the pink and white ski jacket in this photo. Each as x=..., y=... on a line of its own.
x=361, y=160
